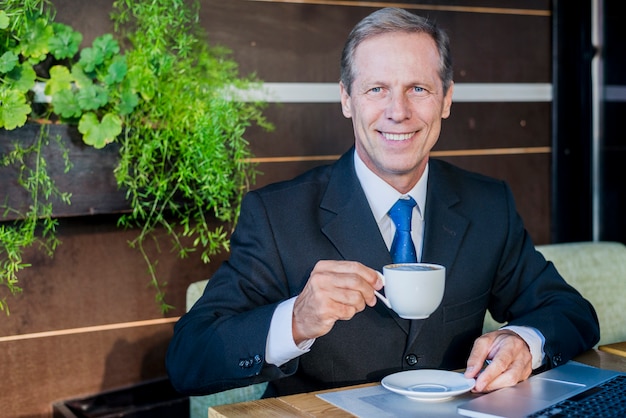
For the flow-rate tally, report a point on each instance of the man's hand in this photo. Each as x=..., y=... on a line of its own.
x=509, y=357
x=336, y=290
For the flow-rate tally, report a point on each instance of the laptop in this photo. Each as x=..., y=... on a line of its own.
x=550, y=393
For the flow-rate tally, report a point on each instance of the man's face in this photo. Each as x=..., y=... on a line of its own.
x=396, y=105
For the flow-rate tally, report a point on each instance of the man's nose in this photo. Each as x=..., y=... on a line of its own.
x=398, y=108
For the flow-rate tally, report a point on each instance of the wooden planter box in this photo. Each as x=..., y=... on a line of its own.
x=90, y=181
x=153, y=399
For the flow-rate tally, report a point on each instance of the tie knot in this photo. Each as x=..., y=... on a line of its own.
x=401, y=212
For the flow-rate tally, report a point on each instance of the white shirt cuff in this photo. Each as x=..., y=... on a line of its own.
x=280, y=346
x=535, y=341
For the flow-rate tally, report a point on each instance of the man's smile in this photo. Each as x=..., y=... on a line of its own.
x=397, y=137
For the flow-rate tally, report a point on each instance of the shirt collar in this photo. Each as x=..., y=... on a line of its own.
x=381, y=196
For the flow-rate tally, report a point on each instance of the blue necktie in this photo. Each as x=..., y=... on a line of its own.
x=402, y=248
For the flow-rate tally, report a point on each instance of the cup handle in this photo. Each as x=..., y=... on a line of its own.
x=379, y=296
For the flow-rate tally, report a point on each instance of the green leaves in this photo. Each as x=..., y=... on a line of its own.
x=21, y=78
x=8, y=61
x=183, y=157
x=13, y=109
x=37, y=225
x=60, y=80
x=103, y=49
x=184, y=160
x=66, y=104
x=93, y=82
x=99, y=133
x=88, y=89
x=92, y=97
x=66, y=41
x=74, y=94
x=36, y=41
x=4, y=20
x=15, y=81
x=128, y=102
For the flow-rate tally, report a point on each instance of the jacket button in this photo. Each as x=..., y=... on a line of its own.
x=411, y=359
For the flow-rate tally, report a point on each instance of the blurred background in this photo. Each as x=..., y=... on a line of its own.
x=540, y=90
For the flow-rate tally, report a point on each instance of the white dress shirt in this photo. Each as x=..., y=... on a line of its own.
x=281, y=348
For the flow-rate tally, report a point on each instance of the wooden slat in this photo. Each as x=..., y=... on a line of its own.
x=40, y=371
x=290, y=42
x=83, y=330
x=263, y=408
x=316, y=406
x=90, y=179
x=451, y=153
x=405, y=5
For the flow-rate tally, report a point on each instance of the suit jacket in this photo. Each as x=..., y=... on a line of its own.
x=471, y=227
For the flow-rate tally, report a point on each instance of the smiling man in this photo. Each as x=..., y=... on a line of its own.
x=396, y=100
x=295, y=305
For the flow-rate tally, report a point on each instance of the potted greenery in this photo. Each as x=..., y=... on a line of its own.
x=154, y=87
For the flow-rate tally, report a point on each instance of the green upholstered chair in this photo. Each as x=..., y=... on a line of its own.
x=598, y=271
x=199, y=405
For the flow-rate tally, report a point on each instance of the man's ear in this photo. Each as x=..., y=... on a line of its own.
x=447, y=102
x=346, y=102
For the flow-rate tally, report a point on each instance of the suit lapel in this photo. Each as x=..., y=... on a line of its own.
x=357, y=237
x=350, y=226
x=444, y=229
x=348, y=221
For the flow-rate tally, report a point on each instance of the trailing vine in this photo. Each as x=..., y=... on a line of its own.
x=156, y=87
x=36, y=225
x=183, y=152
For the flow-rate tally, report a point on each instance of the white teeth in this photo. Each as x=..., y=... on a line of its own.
x=397, y=137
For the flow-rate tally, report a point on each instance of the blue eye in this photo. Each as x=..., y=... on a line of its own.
x=418, y=89
x=376, y=90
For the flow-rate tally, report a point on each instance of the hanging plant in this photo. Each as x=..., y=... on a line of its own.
x=157, y=88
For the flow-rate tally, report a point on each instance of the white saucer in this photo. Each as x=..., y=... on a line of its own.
x=428, y=385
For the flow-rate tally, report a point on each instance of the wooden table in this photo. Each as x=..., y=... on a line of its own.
x=309, y=405
x=618, y=349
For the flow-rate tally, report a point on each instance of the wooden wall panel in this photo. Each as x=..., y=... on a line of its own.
x=508, y=43
x=311, y=134
x=475, y=126
x=86, y=321
x=40, y=371
x=305, y=40
x=302, y=129
x=320, y=128
x=90, y=179
x=95, y=278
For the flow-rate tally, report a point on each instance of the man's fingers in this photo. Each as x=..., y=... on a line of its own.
x=336, y=290
x=478, y=355
x=498, y=375
x=510, y=357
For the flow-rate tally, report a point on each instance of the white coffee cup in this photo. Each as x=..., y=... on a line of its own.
x=413, y=290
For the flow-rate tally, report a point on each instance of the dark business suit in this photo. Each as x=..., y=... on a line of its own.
x=471, y=227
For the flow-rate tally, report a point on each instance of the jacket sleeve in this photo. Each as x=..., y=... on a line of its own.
x=531, y=292
x=220, y=343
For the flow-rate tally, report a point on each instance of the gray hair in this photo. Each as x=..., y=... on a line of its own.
x=389, y=20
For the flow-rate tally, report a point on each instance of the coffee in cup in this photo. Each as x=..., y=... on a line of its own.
x=413, y=290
